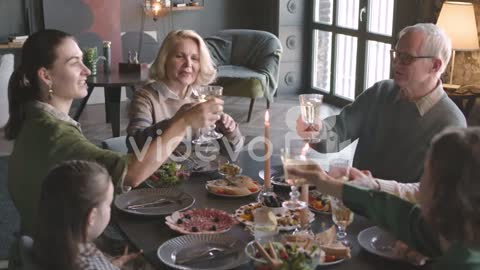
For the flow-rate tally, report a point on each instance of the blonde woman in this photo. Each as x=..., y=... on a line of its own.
x=183, y=63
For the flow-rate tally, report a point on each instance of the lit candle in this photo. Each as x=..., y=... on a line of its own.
x=266, y=170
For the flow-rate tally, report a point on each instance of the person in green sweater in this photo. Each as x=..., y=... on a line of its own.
x=446, y=224
x=41, y=90
x=395, y=120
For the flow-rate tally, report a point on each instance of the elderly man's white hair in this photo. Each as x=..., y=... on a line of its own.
x=436, y=43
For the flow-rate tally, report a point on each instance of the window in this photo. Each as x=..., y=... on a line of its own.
x=351, y=45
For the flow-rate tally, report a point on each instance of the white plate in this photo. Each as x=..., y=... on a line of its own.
x=287, y=214
x=205, y=216
x=190, y=244
x=276, y=176
x=331, y=263
x=371, y=239
x=232, y=196
x=182, y=201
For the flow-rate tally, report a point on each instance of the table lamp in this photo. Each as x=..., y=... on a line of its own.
x=457, y=19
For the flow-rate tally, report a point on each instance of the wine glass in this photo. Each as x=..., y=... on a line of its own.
x=297, y=156
x=265, y=224
x=293, y=157
x=310, y=105
x=203, y=94
x=339, y=168
x=342, y=217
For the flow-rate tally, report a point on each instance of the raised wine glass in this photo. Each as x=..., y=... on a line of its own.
x=204, y=93
x=310, y=105
x=339, y=168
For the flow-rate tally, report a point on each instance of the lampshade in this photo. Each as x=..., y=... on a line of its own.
x=156, y=8
x=457, y=19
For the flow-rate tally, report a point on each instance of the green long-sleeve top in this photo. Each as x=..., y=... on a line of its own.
x=404, y=220
x=48, y=137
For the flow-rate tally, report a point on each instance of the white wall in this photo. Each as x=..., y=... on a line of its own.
x=6, y=69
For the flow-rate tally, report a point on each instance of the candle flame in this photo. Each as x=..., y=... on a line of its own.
x=267, y=117
x=305, y=149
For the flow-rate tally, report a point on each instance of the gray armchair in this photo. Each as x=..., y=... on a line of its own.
x=247, y=62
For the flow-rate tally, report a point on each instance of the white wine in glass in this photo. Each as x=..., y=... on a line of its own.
x=293, y=158
x=342, y=217
x=205, y=93
x=310, y=105
x=339, y=168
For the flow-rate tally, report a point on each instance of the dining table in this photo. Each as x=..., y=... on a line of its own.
x=148, y=233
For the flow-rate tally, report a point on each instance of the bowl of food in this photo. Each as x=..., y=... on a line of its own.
x=228, y=169
x=319, y=202
x=278, y=255
x=169, y=174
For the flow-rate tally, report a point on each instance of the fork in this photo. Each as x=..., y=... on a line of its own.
x=173, y=199
x=210, y=252
x=147, y=204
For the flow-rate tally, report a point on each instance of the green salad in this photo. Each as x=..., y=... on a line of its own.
x=169, y=174
x=292, y=257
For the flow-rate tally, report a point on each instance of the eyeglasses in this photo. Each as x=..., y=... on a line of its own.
x=405, y=58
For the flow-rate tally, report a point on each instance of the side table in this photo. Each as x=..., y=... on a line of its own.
x=112, y=83
x=464, y=100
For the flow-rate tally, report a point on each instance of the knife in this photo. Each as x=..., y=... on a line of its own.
x=209, y=256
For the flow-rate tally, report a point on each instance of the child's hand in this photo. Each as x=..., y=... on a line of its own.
x=120, y=261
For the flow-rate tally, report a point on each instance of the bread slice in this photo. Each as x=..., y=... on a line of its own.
x=244, y=181
x=240, y=185
x=326, y=237
x=336, y=249
x=228, y=190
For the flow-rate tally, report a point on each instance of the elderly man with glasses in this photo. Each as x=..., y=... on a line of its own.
x=395, y=120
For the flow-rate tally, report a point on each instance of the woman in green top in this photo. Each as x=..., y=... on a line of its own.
x=446, y=225
x=41, y=91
